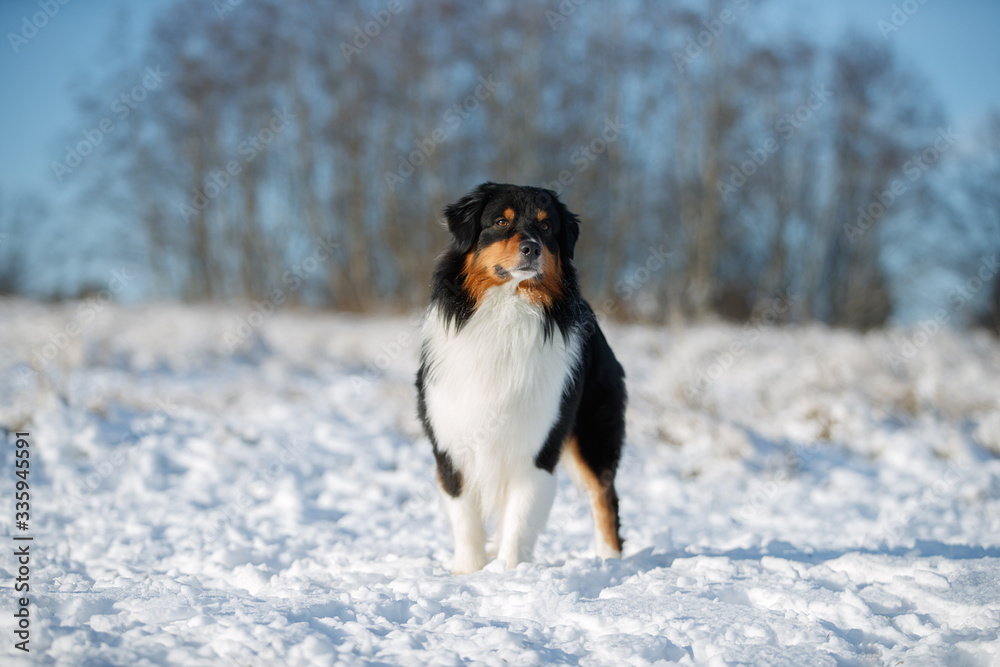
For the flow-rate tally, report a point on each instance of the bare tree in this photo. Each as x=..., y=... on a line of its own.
x=980, y=179
x=664, y=127
x=17, y=221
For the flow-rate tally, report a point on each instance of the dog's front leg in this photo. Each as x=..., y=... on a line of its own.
x=526, y=508
x=468, y=531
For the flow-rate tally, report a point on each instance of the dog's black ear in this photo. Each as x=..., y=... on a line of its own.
x=463, y=216
x=570, y=227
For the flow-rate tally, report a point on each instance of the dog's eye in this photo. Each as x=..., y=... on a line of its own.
x=501, y=222
x=544, y=226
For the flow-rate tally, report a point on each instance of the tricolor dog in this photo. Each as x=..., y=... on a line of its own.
x=515, y=376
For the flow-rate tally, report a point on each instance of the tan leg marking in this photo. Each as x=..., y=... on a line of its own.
x=602, y=495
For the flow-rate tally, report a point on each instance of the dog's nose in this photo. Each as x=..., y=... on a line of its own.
x=531, y=248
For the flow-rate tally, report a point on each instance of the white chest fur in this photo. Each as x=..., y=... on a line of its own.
x=494, y=387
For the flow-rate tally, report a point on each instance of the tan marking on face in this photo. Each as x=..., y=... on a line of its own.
x=542, y=215
x=509, y=214
x=480, y=268
x=546, y=289
x=601, y=492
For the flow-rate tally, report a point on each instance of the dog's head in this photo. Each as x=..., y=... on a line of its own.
x=510, y=232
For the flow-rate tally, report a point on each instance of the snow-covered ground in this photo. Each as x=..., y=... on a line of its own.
x=793, y=496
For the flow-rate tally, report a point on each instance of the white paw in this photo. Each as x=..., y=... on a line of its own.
x=512, y=559
x=605, y=551
x=467, y=565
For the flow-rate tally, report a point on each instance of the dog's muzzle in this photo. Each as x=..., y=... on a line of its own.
x=530, y=258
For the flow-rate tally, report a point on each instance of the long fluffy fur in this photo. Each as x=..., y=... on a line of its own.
x=515, y=373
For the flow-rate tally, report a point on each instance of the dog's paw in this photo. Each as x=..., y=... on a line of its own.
x=605, y=551
x=468, y=565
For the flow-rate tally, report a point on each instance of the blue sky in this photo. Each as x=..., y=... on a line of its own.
x=954, y=45
x=39, y=107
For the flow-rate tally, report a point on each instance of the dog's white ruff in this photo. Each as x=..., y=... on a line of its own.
x=492, y=392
